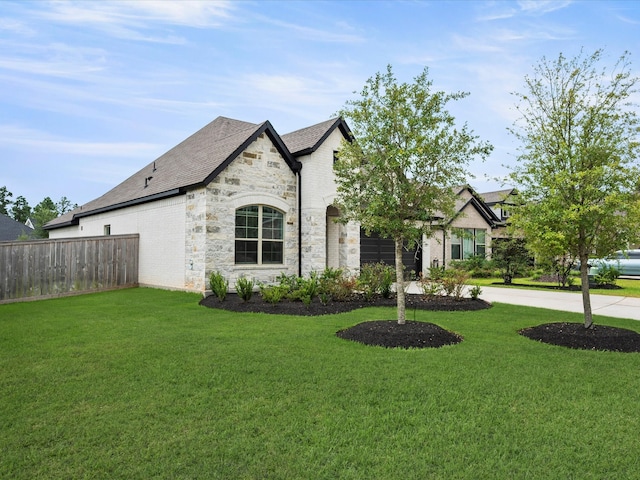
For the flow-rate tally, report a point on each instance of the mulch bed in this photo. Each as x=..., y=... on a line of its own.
x=387, y=333
x=384, y=333
x=574, y=335
x=287, y=307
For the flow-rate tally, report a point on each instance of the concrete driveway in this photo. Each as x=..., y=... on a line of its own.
x=611, y=306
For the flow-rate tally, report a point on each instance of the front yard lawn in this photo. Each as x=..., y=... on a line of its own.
x=145, y=383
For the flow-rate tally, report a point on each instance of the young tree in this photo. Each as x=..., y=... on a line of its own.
x=20, y=210
x=577, y=173
x=510, y=255
x=398, y=174
x=5, y=200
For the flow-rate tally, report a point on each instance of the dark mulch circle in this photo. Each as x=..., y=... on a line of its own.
x=380, y=333
x=574, y=335
x=390, y=334
x=287, y=307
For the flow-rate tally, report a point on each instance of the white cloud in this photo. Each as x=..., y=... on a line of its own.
x=541, y=7
x=128, y=19
x=17, y=27
x=31, y=140
x=318, y=35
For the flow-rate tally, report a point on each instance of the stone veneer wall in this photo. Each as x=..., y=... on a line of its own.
x=259, y=176
x=350, y=246
x=195, y=240
x=314, y=244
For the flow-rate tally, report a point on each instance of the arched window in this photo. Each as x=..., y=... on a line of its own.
x=259, y=235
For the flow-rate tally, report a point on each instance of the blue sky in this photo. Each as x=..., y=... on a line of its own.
x=92, y=91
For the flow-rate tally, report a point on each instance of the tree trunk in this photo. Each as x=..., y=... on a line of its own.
x=586, y=299
x=400, y=282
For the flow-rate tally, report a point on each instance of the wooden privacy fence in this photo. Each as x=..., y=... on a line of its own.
x=50, y=268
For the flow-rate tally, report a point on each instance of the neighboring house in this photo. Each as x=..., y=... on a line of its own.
x=469, y=234
x=234, y=197
x=500, y=202
x=238, y=198
x=11, y=230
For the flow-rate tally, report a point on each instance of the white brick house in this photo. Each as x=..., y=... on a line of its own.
x=238, y=198
x=233, y=197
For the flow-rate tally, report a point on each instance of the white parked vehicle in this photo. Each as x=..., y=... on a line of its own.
x=626, y=262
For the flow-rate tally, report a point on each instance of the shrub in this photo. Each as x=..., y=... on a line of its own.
x=272, y=293
x=607, y=274
x=560, y=267
x=453, y=283
x=307, y=288
x=436, y=273
x=289, y=283
x=475, y=292
x=324, y=297
x=244, y=287
x=219, y=285
x=431, y=288
x=299, y=288
x=376, y=278
x=336, y=284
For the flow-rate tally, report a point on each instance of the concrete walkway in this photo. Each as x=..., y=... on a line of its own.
x=611, y=306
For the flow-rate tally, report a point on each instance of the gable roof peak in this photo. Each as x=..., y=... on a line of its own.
x=307, y=140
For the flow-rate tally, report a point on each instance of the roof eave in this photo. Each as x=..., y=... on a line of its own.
x=75, y=220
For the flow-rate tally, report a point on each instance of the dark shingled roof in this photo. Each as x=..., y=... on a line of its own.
x=307, y=140
x=498, y=196
x=11, y=229
x=195, y=161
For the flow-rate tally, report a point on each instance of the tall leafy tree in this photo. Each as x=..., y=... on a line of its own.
x=397, y=175
x=45, y=211
x=20, y=210
x=5, y=200
x=64, y=205
x=577, y=172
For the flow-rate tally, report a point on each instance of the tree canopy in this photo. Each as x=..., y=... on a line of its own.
x=577, y=173
x=21, y=211
x=396, y=177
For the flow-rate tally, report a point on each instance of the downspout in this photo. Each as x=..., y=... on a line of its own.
x=300, y=222
x=444, y=249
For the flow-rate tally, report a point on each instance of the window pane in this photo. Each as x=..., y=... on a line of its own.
x=467, y=246
x=455, y=251
x=247, y=222
x=246, y=251
x=480, y=237
x=272, y=252
x=272, y=224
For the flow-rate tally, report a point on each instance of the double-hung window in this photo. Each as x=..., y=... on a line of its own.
x=259, y=235
x=466, y=243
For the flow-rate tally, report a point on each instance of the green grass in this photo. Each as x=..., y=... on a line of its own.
x=629, y=287
x=144, y=383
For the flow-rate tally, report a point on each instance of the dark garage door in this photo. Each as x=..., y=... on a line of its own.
x=374, y=249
